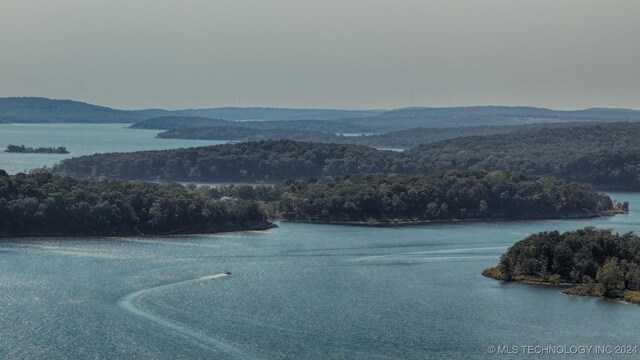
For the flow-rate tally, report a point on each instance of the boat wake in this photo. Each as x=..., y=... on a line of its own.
x=128, y=303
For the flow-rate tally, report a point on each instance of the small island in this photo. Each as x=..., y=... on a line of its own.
x=42, y=204
x=590, y=262
x=39, y=150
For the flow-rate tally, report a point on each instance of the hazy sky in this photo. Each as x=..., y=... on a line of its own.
x=323, y=53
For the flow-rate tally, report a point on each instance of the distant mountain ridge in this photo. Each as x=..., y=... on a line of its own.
x=491, y=115
x=44, y=110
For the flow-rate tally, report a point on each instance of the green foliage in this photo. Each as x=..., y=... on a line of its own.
x=43, y=204
x=611, y=276
x=39, y=150
x=603, y=263
x=602, y=155
x=266, y=161
x=438, y=196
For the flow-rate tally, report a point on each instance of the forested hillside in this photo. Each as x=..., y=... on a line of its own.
x=447, y=195
x=46, y=205
x=607, y=156
x=604, y=155
x=268, y=161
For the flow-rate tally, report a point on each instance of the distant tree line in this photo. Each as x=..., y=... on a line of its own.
x=266, y=161
x=236, y=133
x=39, y=150
x=607, y=156
x=252, y=131
x=46, y=204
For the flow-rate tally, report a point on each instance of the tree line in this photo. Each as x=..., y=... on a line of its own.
x=607, y=156
x=260, y=161
x=211, y=129
x=46, y=204
x=38, y=150
x=460, y=195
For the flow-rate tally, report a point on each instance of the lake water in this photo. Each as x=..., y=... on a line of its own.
x=299, y=291
x=79, y=139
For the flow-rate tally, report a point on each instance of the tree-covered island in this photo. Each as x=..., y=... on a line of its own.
x=38, y=150
x=43, y=204
x=594, y=262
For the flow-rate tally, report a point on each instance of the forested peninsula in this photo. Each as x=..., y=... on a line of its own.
x=594, y=262
x=378, y=199
x=43, y=204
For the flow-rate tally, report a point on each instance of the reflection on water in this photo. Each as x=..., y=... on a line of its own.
x=299, y=291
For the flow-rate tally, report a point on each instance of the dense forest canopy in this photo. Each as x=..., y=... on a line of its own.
x=438, y=196
x=45, y=204
x=267, y=161
x=607, y=156
x=604, y=263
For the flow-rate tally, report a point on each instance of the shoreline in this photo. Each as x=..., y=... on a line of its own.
x=405, y=222
x=628, y=297
x=215, y=229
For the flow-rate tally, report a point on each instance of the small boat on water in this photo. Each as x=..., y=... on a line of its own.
x=227, y=272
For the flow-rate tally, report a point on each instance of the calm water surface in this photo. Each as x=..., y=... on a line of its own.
x=79, y=139
x=299, y=291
